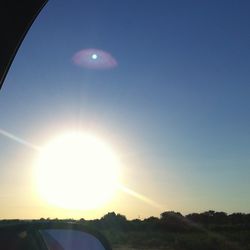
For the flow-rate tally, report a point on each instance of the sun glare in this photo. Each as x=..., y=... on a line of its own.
x=77, y=171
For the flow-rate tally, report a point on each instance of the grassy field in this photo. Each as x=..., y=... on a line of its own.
x=179, y=241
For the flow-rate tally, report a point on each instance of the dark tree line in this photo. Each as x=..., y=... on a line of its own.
x=174, y=221
x=168, y=220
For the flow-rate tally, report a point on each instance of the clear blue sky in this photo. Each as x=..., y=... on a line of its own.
x=177, y=106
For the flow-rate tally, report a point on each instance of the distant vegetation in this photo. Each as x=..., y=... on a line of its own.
x=205, y=231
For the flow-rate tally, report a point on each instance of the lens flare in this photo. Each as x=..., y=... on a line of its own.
x=94, y=59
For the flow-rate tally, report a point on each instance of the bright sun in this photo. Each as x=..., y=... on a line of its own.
x=77, y=171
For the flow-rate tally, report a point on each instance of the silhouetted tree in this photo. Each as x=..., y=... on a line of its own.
x=194, y=217
x=114, y=220
x=82, y=220
x=151, y=223
x=220, y=218
x=236, y=218
x=173, y=221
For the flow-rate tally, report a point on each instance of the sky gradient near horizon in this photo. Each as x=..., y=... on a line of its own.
x=175, y=108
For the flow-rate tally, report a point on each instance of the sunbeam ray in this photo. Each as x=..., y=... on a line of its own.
x=18, y=139
x=140, y=197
